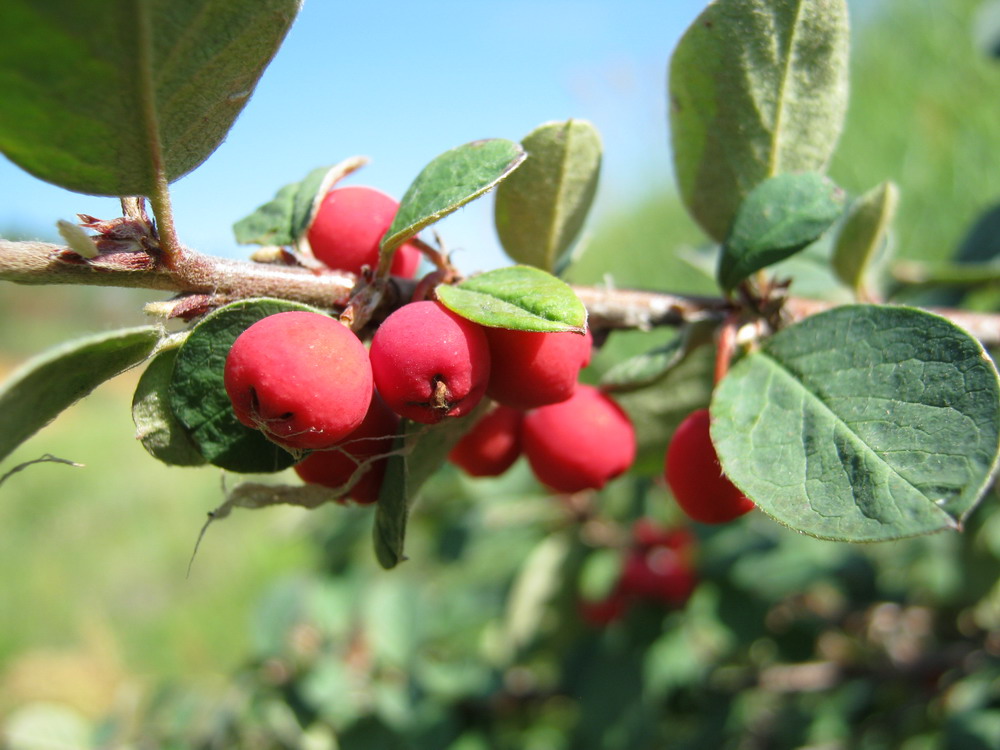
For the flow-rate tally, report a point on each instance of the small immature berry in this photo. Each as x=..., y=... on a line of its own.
x=350, y=224
x=492, y=445
x=532, y=369
x=302, y=378
x=695, y=475
x=429, y=363
x=580, y=443
x=336, y=466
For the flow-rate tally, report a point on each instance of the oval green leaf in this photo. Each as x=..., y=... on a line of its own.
x=283, y=219
x=159, y=431
x=540, y=209
x=108, y=97
x=518, y=297
x=197, y=393
x=41, y=388
x=756, y=88
x=864, y=423
x=779, y=217
x=649, y=368
x=449, y=182
x=864, y=233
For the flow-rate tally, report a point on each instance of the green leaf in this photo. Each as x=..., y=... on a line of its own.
x=863, y=423
x=648, y=368
x=540, y=208
x=159, y=431
x=863, y=233
x=197, y=393
x=106, y=97
x=419, y=451
x=282, y=220
x=518, y=297
x=779, y=217
x=41, y=388
x=449, y=182
x=756, y=88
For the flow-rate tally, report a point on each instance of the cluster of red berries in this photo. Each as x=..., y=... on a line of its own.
x=658, y=568
x=309, y=383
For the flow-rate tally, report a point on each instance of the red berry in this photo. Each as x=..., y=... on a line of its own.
x=695, y=475
x=660, y=574
x=580, y=443
x=302, y=378
x=336, y=466
x=429, y=363
x=350, y=224
x=603, y=612
x=492, y=445
x=532, y=369
x=647, y=533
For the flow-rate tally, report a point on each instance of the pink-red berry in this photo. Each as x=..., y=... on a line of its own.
x=429, y=363
x=492, y=445
x=581, y=443
x=302, y=378
x=695, y=475
x=532, y=369
x=349, y=226
x=364, y=451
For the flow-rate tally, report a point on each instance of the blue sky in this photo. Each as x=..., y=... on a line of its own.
x=402, y=82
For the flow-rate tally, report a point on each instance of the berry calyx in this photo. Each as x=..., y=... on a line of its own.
x=580, y=443
x=349, y=226
x=695, y=476
x=532, y=369
x=492, y=445
x=429, y=363
x=302, y=378
x=357, y=463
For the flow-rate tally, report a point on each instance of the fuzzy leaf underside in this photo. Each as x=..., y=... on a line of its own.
x=864, y=423
x=450, y=181
x=197, y=392
x=863, y=234
x=41, y=388
x=779, y=217
x=540, y=209
x=518, y=297
x=103, y=96
x=756, y=88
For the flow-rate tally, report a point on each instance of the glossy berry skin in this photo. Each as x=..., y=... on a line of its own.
x=335, y=466
x=492, y=445
x=429, y=363
x=302, y=378
x=580, y=443
x=350, y=224
x=695, y=476
x=532, y=369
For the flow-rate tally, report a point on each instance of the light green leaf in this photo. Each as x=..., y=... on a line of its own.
x=756, y=88
x=540, y=208
x=863, y=233
x=648, y=368
x=41, y=388
x=518, y=297
x=864, y=423
x=779, y=217
x=197, y=393
x=449, y=182
x=159, y=431
x=282, y=220
x=106, y=97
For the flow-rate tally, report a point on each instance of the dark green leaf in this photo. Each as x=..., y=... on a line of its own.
x=108, y=97
x=863, y=233
x=198, y=397
x=41, y=388
x=756, y=88
x=420, y=450
x=518, y=297
x=450, y=181
x=542, y=206
x=643, y=370
x=159, y=431
x=863, y=423
x=779, y=217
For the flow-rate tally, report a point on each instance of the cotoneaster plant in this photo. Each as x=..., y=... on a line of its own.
x=534, y=369
x=492, y=444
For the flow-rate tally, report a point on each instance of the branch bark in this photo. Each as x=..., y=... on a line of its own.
x=196, y=273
